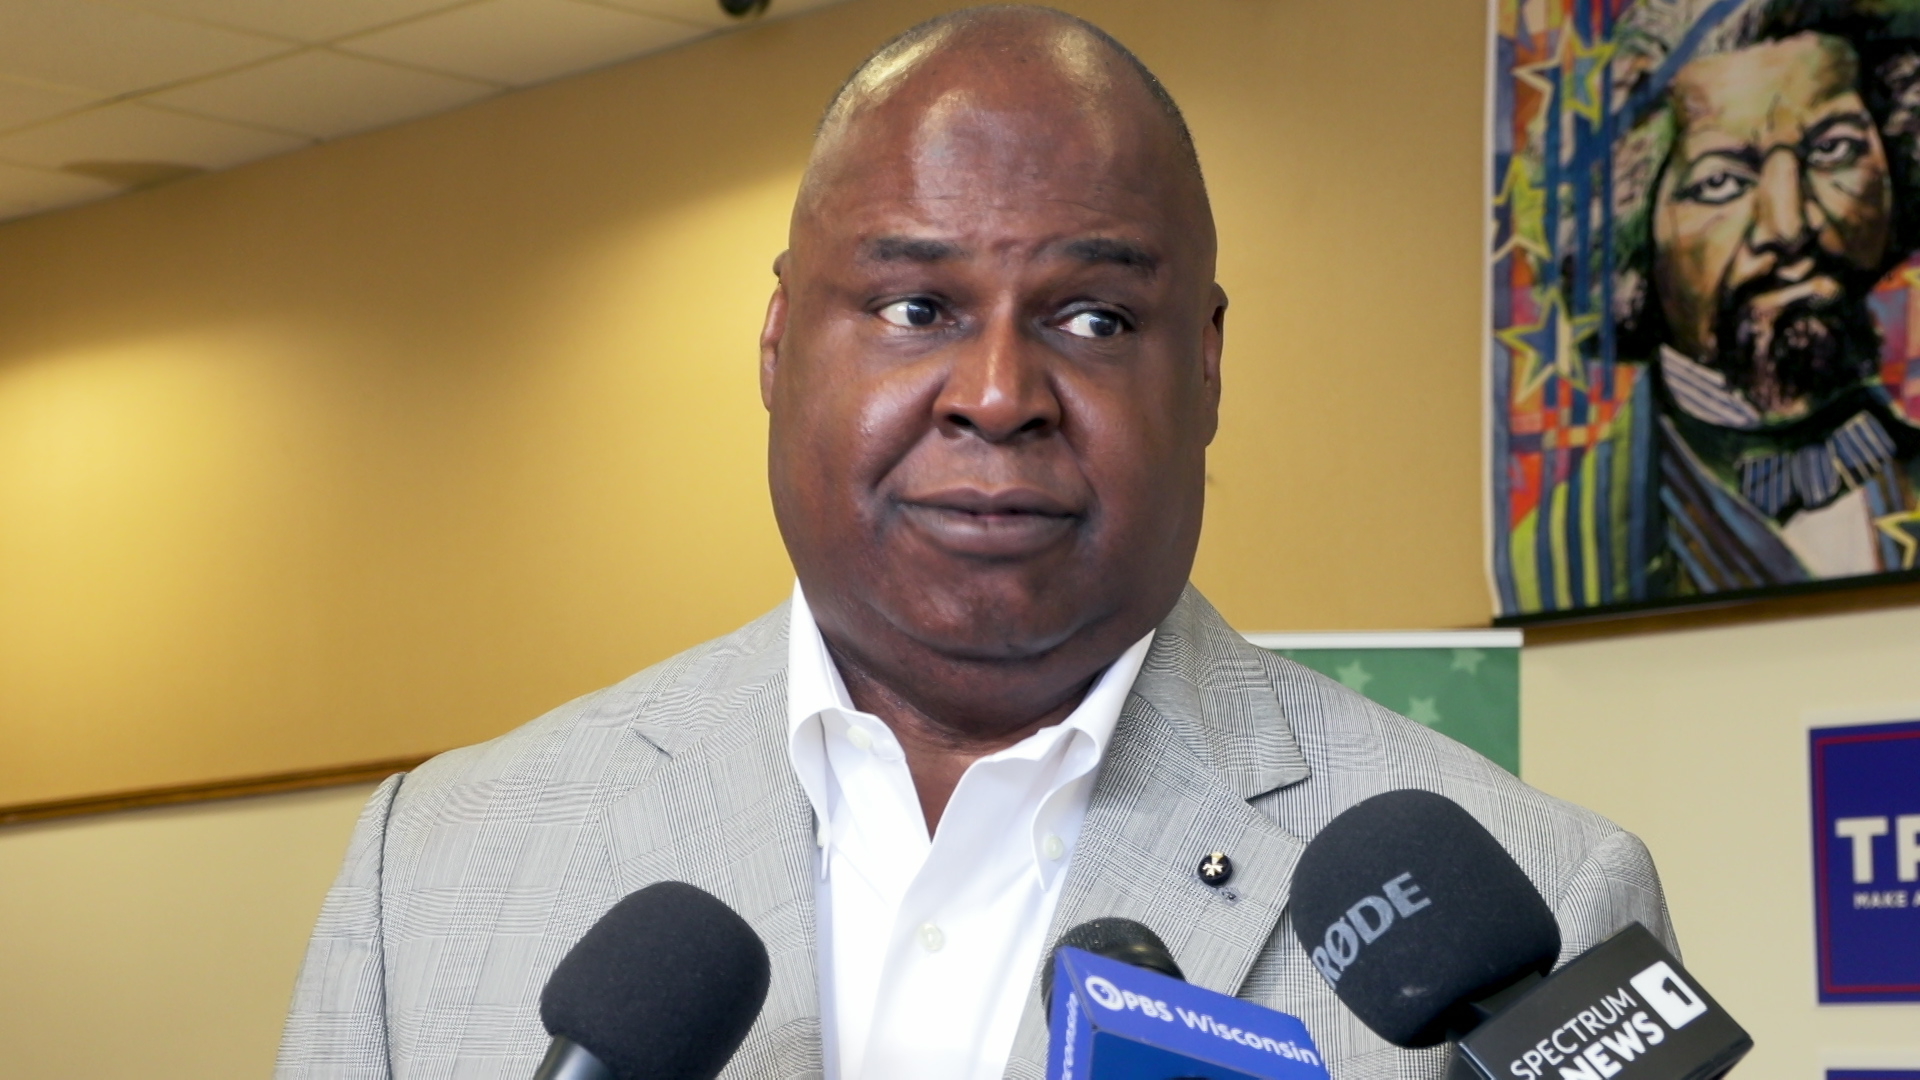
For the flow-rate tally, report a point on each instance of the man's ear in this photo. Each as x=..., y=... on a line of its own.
x=1215, y=343
x=773, y=332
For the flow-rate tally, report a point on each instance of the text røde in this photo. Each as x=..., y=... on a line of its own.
x=1364, y=922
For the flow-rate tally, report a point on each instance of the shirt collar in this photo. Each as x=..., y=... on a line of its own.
x=814, y=686
x=813, y=680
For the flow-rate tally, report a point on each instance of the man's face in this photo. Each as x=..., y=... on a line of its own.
x=992, y=370
x=1772, y=221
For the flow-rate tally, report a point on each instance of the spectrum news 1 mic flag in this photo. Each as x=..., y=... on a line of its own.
x=1623, y=1010
x=1120, y=1022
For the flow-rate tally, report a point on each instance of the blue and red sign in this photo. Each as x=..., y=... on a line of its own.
x=1866, y=861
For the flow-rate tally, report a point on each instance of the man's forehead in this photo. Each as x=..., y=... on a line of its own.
x=995, y=181
x=1769, y=85
x=1003, y=217
x=964, y=140
x=1136, y=254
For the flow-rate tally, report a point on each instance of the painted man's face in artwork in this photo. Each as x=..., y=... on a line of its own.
x=1772, y=221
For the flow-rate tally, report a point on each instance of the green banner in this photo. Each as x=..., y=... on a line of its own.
x=1467, y=689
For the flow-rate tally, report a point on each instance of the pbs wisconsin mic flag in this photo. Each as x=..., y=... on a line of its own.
x=1464, y=684
x=1114, y=1021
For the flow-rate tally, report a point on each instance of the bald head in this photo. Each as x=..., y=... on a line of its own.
x=1093, y=79
x=1068, y=35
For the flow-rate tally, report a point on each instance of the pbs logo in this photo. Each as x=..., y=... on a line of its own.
x=1105, y=994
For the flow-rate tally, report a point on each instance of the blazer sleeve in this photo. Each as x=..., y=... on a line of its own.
x=1615, y=885
x=337, y=1026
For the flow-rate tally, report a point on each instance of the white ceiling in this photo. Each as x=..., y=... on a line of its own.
x=102, y=96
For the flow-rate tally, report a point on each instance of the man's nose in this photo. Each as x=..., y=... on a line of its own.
x=998, y=387
x=1780, y=219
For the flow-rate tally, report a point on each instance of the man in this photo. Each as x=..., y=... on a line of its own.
x=1783, y=191
x=993, y=709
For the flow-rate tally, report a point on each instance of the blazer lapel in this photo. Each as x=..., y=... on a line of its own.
x=726, y=813
x=1200, y=736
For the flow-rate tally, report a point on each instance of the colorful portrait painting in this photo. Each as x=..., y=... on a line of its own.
x=1705, y=334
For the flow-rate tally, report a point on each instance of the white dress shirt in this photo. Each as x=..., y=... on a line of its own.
x=928, y=947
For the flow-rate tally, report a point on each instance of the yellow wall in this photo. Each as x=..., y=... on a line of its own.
x=161, y=944
x=389, y=445
x=1697, y=741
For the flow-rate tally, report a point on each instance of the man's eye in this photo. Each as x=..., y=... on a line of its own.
x=910, y=313
x=1835, y=151
x=1094, y=324
x=1718, y=187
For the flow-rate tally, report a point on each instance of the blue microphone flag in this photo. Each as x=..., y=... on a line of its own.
x=1115, y=1021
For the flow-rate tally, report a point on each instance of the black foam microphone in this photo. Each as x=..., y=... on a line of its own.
x=1116, y=939
x=663, y=987
x=1428, y=930
x=1413, y=912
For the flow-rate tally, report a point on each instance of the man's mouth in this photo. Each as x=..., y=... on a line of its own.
x=1006, y=524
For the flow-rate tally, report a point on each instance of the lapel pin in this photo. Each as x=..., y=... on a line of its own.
x=1216, y=869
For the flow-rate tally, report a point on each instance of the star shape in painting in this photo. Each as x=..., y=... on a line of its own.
x=1467, y=660
x=1544, y=76
x=1354, y=676
x=1549, y=346
x=1422, y=710
x=1588, y=66
x=1904, y=530
x=1525, y=225
x=1575, y=70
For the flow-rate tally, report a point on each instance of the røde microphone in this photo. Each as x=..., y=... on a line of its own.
x=1126, y=1013
x=1412, y=911
x=1428, y=930
x=663, y=987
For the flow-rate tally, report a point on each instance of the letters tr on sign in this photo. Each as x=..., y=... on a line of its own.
x=1866, y=860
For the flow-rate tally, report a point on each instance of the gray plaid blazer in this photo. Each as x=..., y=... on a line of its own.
x=469, y=878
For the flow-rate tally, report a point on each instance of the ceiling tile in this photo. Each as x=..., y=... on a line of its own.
x=324, y=94
x=21, y=105
x=26, y=191
x=132, y=132
x=112, y=51
x=311, y=21
x=521, y=42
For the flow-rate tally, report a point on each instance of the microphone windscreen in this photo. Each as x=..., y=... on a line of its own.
x=663, y=987
x=1411, y=909
x=1115, y=938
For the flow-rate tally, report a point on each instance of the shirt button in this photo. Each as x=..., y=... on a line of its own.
x=858, y=736
x=1054, y=847
x=931, y=939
